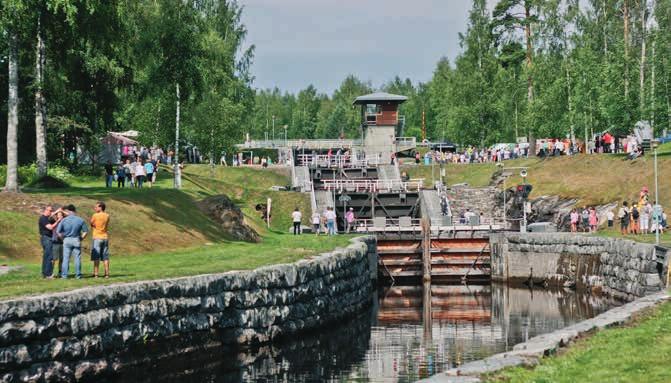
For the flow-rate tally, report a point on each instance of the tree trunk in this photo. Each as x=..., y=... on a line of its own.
x=530, y=82
x=12, y=183
x=178, y=171
x=641, y=74
x=605, y=31
x=625, y=11
x=40, y=105
x=569, y=103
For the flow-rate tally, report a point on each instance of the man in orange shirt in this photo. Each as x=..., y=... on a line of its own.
x=100, y=250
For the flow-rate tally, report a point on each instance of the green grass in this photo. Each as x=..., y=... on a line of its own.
x=641, y=353
x=151, y=219
x=664, y=238
x=205, y=259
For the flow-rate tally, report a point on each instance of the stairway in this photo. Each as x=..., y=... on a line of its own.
x=479, y=200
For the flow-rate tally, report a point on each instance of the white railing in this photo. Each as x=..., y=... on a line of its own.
x=313, y=198
x=407, y=224
x=333, y=161
x=301, y=144
x=406, y=142
x=373, y=186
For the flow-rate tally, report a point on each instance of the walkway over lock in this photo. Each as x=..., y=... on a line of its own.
x=372, y=186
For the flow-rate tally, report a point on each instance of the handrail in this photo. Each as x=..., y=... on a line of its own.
x=375, y=185
x=313, y=197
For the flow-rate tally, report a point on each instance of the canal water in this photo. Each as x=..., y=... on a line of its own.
x=409, y=333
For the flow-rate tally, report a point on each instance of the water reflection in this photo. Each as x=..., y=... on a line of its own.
x=409, y=333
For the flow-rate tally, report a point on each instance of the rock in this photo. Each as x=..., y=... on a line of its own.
x=230, y=217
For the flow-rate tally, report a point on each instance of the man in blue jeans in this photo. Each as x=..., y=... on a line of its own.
x=72, y=230
x=45, y=227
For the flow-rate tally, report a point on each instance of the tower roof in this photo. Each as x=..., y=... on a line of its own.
x=379, y=97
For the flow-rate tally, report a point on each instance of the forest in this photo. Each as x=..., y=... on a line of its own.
x=528, y=68
x=75, y=69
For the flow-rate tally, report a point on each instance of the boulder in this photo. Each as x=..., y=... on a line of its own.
x=223, y=211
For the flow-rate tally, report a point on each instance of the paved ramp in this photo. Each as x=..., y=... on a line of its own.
x=323, y=199
x=388, y=172
x=431, y=205
x=302, y=178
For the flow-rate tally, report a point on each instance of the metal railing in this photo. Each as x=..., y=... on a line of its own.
x=413, y=225
x=406, y=142
x=300, y=144
x=334, y=161
x=373, y=186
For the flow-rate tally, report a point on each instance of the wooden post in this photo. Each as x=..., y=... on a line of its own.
x=426, y=253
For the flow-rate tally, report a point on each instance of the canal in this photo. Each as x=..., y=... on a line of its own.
x=409, y=333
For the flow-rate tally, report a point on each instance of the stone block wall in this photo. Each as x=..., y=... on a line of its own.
x=621, y=268
x=77, y=334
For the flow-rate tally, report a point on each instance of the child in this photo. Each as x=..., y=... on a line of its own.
x=610, y=216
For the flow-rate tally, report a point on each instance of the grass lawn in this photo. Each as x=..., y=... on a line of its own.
x=637, y=353
x=159, y=232
x=205, y=259
x=591, y=179
x=664, y=238
x=152, y=219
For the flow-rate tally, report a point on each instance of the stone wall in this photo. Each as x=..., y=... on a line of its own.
x=621, y=268
x=79, y=334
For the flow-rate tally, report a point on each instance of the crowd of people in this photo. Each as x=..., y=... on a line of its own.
x=641, y=217
x=638, y=217
x=61, y=234
x=323, y=223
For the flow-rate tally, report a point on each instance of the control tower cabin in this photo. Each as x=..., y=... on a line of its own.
x=379, y=121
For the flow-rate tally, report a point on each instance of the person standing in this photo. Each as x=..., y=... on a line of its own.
x=610, y=216
x=646, y=212
x=623, y=215
x=593, y=220
x=635, y=216
x=72, y=230
x=109, y=174
x=149, y=169
x=45, y=229
x=584, y=215
x=131, y=167
x=331, y=221
x=316, y=222
x=120, y=176
x=296, y=217
x=349, y=219
x=57, y=244
x=575, y=217
x=139, y=174
x=100, y=249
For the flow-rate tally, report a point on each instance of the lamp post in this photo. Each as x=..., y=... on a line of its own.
x=657, y=211
x=523, y=228
x=273, y=127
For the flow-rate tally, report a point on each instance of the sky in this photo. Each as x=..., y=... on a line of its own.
x=320, y=42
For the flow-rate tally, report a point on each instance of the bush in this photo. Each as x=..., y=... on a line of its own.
x=48, y=182
x=28, y=174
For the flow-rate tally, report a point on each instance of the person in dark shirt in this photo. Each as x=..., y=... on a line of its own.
x=45, y=230
x=109, y=174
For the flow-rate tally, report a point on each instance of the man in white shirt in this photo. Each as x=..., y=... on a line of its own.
x=316, y=222
x=296, y=217
x=331, y=221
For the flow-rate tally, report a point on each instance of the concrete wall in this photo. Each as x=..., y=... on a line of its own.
x=620, y=268
x=380, y=140
x=78, y=334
